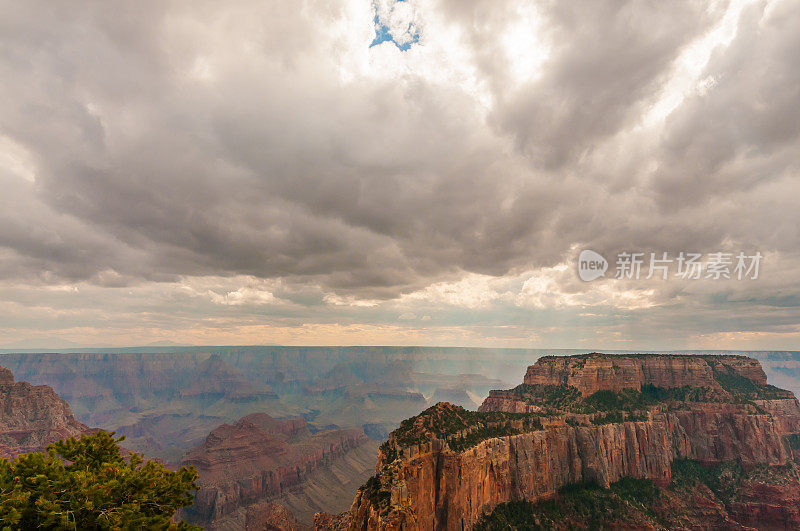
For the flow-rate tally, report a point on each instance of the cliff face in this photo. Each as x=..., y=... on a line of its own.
x=448, y=467
x=785, y=412
x=766, y=503
x=31, y=417
x=449, y=490
x=259, y=457
x=598, y=372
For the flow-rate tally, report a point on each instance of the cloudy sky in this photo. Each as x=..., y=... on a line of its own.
x=396, y=172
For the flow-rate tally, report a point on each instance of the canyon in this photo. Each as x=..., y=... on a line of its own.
x=166, y=400
x=596, y=419
x=258, y=473
x=584, y=418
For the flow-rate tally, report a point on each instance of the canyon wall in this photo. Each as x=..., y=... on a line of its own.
x=166, y=402
x=421, y=482
x=451, y=490
x=258, y=458
x=600, y=372
x=32, y=416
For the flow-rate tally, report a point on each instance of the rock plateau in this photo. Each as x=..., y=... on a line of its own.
x=592, y=424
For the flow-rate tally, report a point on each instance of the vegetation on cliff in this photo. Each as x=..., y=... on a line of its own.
x=626, y=504
x=565, y=398
x=700, y=495
x=460, y=427
x=723, y=479
x=372, y=490
x=741, y=388
x=727, y=480
x=559, y=399
x=86, y=483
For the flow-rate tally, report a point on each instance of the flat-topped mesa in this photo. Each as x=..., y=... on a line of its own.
x=581, y=419
x=594, y=372
x=599, y=383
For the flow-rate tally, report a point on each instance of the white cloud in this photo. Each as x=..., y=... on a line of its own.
x=15, y=159
x=242, y=296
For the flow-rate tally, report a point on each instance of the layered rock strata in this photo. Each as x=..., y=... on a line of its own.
x=598, y=419
x=269, y=516
x=590, y=373
x=259, y=457
x=31, y=417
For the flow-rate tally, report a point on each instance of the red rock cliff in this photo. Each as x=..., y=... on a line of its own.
x=599, y=372
x=31, y=417
x=258, y=457
x=428, y=480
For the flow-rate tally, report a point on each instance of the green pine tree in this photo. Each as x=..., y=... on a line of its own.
x=86, y=483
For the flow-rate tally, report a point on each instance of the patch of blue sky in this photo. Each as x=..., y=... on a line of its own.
x=384, y=34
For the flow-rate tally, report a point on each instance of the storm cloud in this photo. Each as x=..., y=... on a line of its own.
x=264, y=155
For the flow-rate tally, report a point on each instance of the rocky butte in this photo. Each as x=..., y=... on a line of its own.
x=254, y=461
x=596, y=440
x=31, y=417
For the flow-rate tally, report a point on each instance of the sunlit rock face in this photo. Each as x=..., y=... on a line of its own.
x=600, y=372
x=597, y=419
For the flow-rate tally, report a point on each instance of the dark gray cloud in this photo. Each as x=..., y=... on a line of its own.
x=742, y=132
x=608, y=62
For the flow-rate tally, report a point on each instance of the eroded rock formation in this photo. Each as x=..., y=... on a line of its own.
x=257, y=458
x=166, y=400
x=601, y=372
x=31, y=417
x=269, y=516
x=590, y=419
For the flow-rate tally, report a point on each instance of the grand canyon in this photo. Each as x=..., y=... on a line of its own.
x=363, y=439
x=272, y=430
x=588, y=426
